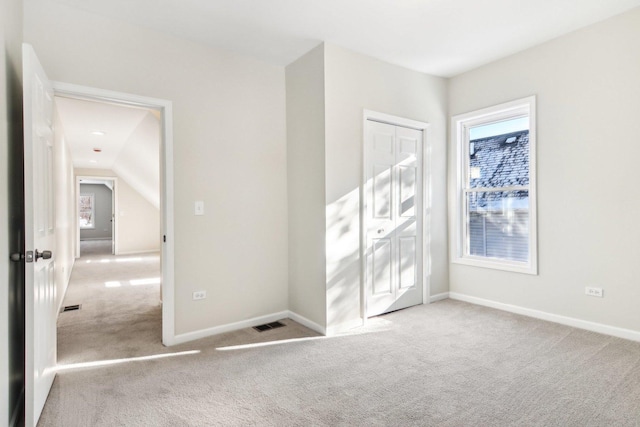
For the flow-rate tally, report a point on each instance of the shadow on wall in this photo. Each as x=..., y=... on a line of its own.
x=343, y=261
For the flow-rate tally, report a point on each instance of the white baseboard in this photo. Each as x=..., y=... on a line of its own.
x=143, y=251
x=438, y=297
x=307, y=323
x=229, y=327
x=563, y=320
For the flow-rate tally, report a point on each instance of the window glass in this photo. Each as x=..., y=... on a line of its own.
x=87, y=211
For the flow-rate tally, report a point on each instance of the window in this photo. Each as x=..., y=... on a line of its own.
x=87, y=211
x=496, y=196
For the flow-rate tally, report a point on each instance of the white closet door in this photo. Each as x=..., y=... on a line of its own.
x=393, y=206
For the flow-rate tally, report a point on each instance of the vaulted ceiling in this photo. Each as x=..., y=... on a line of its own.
x=123, y=139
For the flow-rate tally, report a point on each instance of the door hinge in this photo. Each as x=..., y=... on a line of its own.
x=164, y=238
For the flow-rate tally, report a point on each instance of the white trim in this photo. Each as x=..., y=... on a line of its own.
x=439, y=297
x=425, y=268
x=426, y=213
x=600, y=328
x=394, y=120
x=166, y=184
x=459, y=125
x=142, y=251
x=307, y=323
x=229, y=327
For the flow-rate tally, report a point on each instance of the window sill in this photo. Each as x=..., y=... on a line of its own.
x=495, y=264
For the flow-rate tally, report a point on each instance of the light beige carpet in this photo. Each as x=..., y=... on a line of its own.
x=448, y=363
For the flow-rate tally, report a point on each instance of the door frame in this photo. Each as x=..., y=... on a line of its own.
x=114, y=208
x=375, y=116
x=165, y=108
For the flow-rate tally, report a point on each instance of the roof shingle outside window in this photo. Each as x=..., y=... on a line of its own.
x=497, y=162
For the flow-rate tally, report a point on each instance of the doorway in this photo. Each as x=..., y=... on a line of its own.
x=114, y=153
x=162, y=110
x=96, y=216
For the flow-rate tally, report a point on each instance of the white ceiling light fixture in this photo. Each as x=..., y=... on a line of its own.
x=98, y=133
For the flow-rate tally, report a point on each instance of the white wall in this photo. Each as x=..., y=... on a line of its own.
x=11, y=274
x=353, y=83
x=138, y=221
x=102, y=198
x=229, y=151
x=139, y=161
x=588, y=105
x=65, y=212
x=305, y=185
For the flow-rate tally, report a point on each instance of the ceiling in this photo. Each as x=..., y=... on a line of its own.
x=128, y=143
x=81, y=118
x=439, y=37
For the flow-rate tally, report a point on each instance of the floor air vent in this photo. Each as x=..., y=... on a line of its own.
x=71, y=307
x=268, y=326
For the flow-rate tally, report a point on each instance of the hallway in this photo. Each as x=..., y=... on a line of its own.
x=117, y=294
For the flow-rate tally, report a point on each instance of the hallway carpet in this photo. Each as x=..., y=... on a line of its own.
x=444, y=364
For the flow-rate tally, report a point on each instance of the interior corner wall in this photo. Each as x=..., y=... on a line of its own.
x=588, y=102
x=11, y=211
x=305, y=186
x=229, y=132
x=138, y=221
x=354, y=82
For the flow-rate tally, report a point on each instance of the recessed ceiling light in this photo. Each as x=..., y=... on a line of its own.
x=98, y=133
x=93, y=161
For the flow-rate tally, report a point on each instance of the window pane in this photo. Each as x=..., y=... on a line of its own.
x=86, y=211
x=499, y=154
x=498, y=225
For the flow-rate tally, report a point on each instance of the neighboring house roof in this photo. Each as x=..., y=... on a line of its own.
x=500, y=161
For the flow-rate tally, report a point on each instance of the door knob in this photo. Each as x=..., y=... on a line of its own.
x=43, y=255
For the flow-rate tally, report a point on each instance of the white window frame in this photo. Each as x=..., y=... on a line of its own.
x=460, y=126
x=92, y=196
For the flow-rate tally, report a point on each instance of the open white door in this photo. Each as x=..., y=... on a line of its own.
x=40, y=289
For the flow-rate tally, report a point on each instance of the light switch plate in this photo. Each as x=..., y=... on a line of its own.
x=199, y=207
